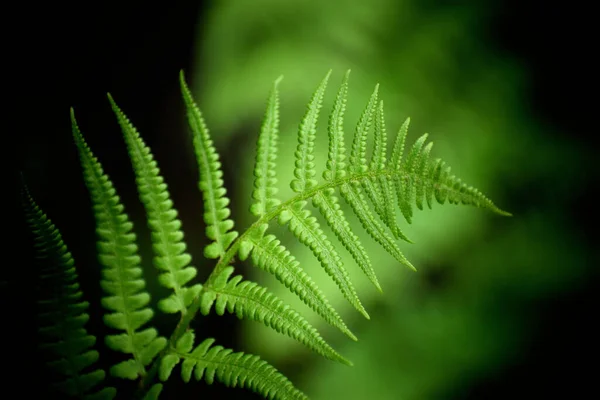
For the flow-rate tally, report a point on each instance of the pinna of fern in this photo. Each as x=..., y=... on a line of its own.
x=374, y=188
x=62, y=316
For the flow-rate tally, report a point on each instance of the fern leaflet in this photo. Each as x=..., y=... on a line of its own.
x=62, y=316
x=122, y=277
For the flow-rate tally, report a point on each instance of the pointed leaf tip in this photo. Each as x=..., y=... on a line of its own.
x=182, y=78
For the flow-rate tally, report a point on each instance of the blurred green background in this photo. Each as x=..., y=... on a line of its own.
x=499, y=306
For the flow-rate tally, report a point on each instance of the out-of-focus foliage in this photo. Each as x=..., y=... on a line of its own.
x=464, y=313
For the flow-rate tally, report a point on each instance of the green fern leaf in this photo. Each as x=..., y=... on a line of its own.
x=167, y=238
x=266, y=153
x=358, y=155
x=122, y=277
x=232, y=369
x=336, y=164
x=216, y=212
x=249, y=300
x=62, y=312
x=154, y=392
x=305, y=167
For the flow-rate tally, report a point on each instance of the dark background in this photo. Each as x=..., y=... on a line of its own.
x=71, y=55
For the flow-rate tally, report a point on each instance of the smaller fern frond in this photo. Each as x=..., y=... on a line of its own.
x=232, y=369
x=122, y=277
x=167, y=238
x=266, y=154
x=62, y=315
x=216, y=213
x=249, y=300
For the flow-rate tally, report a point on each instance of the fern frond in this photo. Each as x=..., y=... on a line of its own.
x=373, y=189
x=122, y=277
x=62, y=313
x=249, y=300
x=266, y=153
x=216, y=212
x=232, y=369
x=167, y=237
